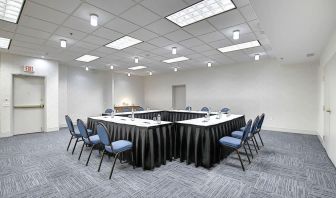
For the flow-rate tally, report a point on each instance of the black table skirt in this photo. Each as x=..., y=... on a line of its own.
x=199, y=145
x=152, y=146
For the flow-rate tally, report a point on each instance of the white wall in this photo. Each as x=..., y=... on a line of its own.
x=128, y=89
x=288, y=94
x=13, y=64
x=83, y=93
x=88, y=93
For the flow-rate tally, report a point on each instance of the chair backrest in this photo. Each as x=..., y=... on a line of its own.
x=82, y=129
x=246, y=131
x=225, y=110
x=103, y=135
x=141, y=109
x=205, y=109
x=188, y=108
x=261, y=120
x=70, y=124
x=254, y=125
x=108, y=110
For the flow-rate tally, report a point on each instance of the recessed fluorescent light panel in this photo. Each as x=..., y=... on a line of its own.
x=137, y=67
x=87, y=58
x=178, y=59
x=200, y=11
x=4, y=42
x=10, y=10
x=239, y=46
x=123, y=43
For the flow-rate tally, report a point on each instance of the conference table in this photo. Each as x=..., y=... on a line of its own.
x=180, y=134
x=197, y=139
x=152, y=141
x=166, y=115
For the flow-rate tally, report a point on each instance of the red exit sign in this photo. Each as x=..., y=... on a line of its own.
x=29, y=69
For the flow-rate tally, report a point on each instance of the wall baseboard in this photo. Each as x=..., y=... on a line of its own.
x=52, y=129
x=307, y=132
x=321, y=140
x=3, y=135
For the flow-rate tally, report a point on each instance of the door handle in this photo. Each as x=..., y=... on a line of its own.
x=29, y=106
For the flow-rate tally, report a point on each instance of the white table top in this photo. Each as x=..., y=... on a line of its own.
x=125, y=120
x=213, y=120
x=186, y=111
x=137, y=112
x=154, y=111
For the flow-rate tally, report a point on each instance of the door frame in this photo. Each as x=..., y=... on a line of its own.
x=12, y=102
x=173, y=100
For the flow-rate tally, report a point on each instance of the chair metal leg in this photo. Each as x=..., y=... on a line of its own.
x=255, y=148
x=115, y=159
x=87, y=161
x=260, y=139
x=241, y=162
x=248, y=144
x=255, y=139
x=73, y=150
x=101, y=161
x=69, y=142
x=247, y=154
x=80, y=154
x=133, y=161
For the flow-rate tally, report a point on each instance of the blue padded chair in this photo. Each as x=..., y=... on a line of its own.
x=205, y=109
x=225, y=110
x=108, y=112
x=258, y=129
x=74, y=133
x=239, y=135
x=188, y=108
x=141, y=109
x=88, y=140
x=115, y=148
x=260, y=123
x=235, y=143
x=126, y=109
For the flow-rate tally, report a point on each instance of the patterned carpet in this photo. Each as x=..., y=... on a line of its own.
x=290, y=165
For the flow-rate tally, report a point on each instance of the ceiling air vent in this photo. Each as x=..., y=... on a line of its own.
x=310, y=55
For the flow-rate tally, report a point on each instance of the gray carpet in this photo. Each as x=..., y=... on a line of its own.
x=290, y=165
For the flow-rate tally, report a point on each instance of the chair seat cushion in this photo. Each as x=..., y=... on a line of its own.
x=230, y=142
x=94, y=139
x=119, y=146
x=242, y=129
x=77, y=133
x=237, y=134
